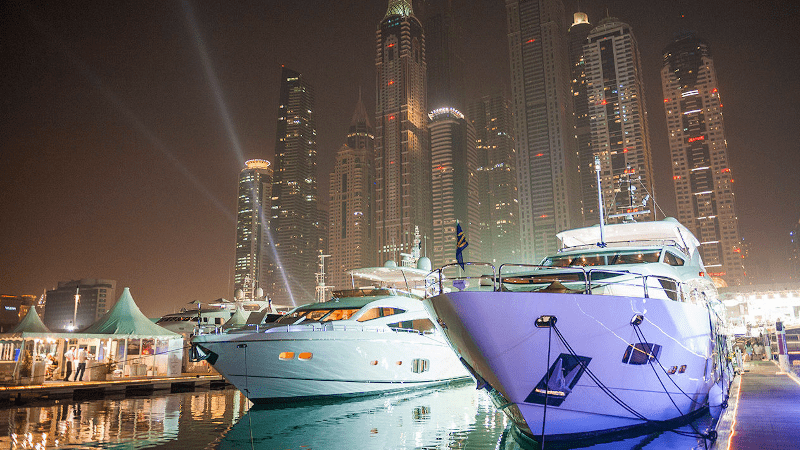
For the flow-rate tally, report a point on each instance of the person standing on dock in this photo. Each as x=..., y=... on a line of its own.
x=70, y=356
x=82, y=357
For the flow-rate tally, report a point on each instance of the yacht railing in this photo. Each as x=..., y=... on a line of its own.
x=633, y=243
x=570, y=280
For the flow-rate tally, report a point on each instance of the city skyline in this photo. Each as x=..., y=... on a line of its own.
x=121, y=146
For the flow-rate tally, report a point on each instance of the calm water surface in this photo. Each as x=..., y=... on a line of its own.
x=452, y=417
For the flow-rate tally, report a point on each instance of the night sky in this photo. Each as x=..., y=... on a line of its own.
x=124, y=125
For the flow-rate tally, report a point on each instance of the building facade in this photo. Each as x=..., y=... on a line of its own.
x=578, y=32
x=13, y=309
x=547, y=165
x=618, y=120
x=76, y=304
x=454, y=159
x=296, y=221
x=252, y=227
x=444, y=56
x=497, y=178
x=402, y=156
x=700, y=169
x=350, y=232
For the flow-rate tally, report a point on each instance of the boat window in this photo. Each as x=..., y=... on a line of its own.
x=421, y=325
x=636, y=257
x=338, y=314
x=557, y=261
x=314, y=314
x=672, y=260
x=375, y=313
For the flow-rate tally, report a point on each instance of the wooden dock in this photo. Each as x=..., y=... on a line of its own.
x=763, y=411
x=91, y=390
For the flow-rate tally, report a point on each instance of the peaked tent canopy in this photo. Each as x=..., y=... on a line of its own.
x=125, y=318
x=31, y=323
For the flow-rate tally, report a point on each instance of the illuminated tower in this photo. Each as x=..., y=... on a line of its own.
x=252, y=225
x=547, y=166
x=402, y=156
x=295, y=222
x=350, y=234
x=618, y=121
x=454, y=158
x=578, y=32
x=701, y=174
x=443, y=53
x=497, y=178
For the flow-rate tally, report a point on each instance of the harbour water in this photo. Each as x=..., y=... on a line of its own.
x=449, y=417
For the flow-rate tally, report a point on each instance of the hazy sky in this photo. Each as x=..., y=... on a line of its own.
x=124, y=124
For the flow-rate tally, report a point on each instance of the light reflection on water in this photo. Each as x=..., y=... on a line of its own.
x=451, y=417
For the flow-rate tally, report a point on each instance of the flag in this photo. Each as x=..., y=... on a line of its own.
x=461, y=244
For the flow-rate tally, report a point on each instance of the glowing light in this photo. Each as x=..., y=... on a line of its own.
x=391, y=82
x=666, y=100
x=540, y=154
x=530, y=40
x=676, y=177
x=391, y=117
x=726, y=170
x=697, y=138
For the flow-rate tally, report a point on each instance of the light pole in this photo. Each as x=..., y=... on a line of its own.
x=75, y=311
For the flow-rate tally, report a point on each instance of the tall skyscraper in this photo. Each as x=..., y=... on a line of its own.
x=497, y=178
x=578, y=32
x=443, y=54
x=252, y=225
x=454, y=158
x=618, y=117
x=295, y=221
x=547, y=166
x=350, y=234
x=700, y=170
x=402, y=156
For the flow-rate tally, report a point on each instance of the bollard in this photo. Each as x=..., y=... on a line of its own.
x=783, y=354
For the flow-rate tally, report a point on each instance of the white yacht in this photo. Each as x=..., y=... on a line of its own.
x=213, y=315
x=363, y=341
x=620, y=329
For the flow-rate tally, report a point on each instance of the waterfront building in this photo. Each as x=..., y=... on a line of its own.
x=497, y=178
x=454, y=159
x=700, y=169
x=13, y=308
x=578, y=32
x=76, y=304
x=350, y=232
x=618, y=121
x=252, y=225
x=547, y=165
x=402, y=156
x=444, y=55
x=295, y=224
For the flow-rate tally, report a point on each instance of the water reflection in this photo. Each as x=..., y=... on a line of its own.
x=451, y=417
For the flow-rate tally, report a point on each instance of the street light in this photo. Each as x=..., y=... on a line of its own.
x=75, y=311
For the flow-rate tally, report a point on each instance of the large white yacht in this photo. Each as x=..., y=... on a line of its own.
x=620, y=329
x=364, y=341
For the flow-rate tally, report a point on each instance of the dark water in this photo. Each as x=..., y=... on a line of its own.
x=451, y=417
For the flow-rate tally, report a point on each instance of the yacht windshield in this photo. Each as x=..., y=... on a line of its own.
x=603, y=258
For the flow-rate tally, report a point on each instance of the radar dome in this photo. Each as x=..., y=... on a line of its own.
x=424, y=263
x=259, y=293
x=238, y=294
x=390, y=264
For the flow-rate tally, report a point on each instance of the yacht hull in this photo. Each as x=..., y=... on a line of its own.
x=496, y=336
x=284, y=364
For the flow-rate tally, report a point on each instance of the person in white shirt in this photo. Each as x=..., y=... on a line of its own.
x=82, y=357
x=70, y=356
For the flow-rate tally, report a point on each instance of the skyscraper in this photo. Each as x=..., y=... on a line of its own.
x=350, y=233
x=402, y=156
x=443, y=54
x=700, y=169
x=252, y=225
x=295, y=221
x=547, y=166
x=454, y=158
x=497, y=178
x=618, y=118
x=578, y=32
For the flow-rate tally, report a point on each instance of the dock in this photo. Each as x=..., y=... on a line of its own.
x=763, y=410
x=92, y=390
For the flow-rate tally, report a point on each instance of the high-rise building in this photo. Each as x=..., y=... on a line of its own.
x=547, y=165
x=578, y=32
x=350, y=233
x=497, y=178
x=454, y=159
x=402, y=156
x=253, y=246
x=618, y=120
x=295, y=221
x=700, y=169
x=13, y=309
x=443, y=54
x=76, y=304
